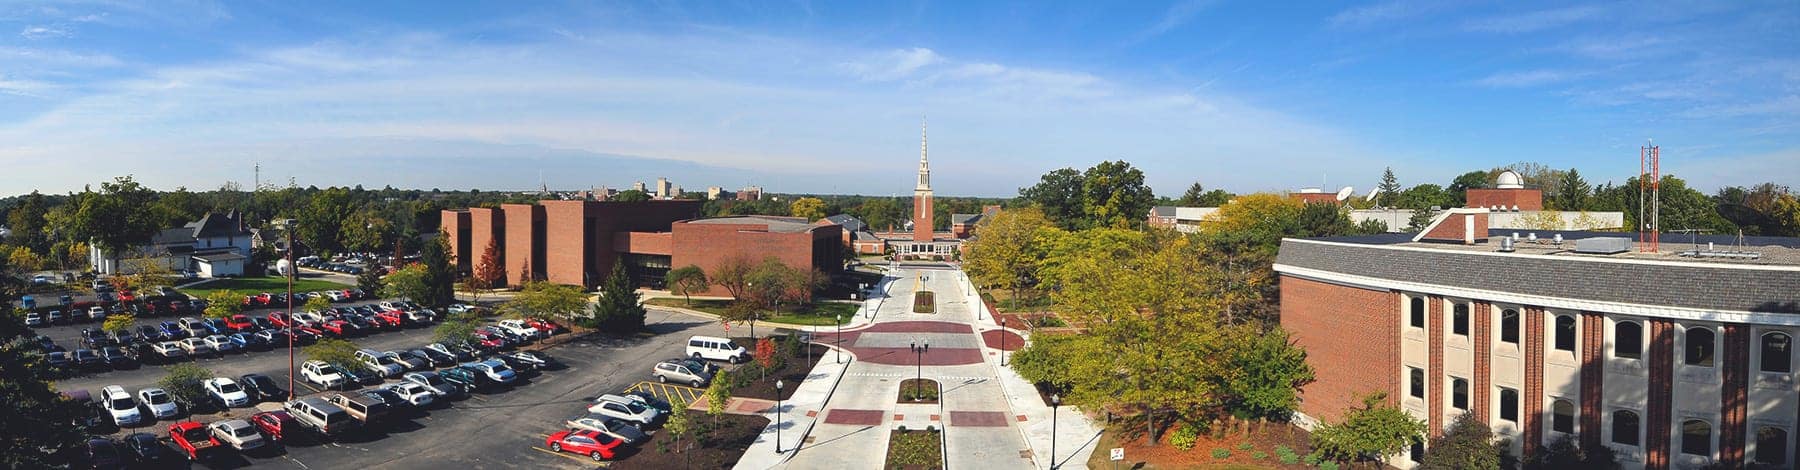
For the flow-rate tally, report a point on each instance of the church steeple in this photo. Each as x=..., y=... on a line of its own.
x=923, y=215
x=924, y=165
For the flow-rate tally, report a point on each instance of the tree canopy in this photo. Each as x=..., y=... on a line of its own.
x=620, y=309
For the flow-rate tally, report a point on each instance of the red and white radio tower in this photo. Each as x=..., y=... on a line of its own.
x=1649, y=196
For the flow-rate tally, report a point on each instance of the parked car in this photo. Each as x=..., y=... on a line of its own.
x=272, y=338
x=494, y=370
x=521, y=328
x=393, y=400
x=247, y=341
x=34, y=319
x=237, y=433
x=159, y=403
x=58, y=361
x=323, y=417
x=454, y=353
x=192, y=438
x=146, y=448
x=380, y=363
x=102, y=453
x=322, y=373
x=172, y=331
x=278, y=425
x=225, y=392
x=363, y=408
x=239, y=322
x=433, y=383
x=415, y=394
x=261, y=388
x=627, y=408
x=116, y=358
x=120, y=406
x=169, y=351
x=715, y=348
x=631, y=434
x=196, y=347
x=424, y=360
x=55, y=317
x=220, y=343
x=361, y=376
x=87, y=359
x=597, y=446
x=468, y=379
x=682, y=371
x=149, y=333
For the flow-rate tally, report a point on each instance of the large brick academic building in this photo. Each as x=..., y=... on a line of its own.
x=577, y=242
x=1674, y=359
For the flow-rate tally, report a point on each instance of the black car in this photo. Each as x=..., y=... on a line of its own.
x=423, y=356
x=87, y=359
x=393, y=400
x=45, y=342
x=262, y=323
x=150, y=333
x=262, y=388
x=101, y=453
x=361, y=375
x=123, y=337
x=146, y=448
x=92, y=338
x=438, y=359
x=58, y=361
x=116, y=357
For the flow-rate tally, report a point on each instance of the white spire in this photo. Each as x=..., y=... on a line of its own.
x=924, y=165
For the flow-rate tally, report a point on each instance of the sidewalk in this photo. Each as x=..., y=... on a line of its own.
x=1075, y=433
x=795, y=419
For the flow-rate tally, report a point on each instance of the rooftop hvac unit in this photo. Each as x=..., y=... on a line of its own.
x=1603, y=245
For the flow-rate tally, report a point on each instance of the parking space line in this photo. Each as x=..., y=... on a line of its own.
x=583, y=459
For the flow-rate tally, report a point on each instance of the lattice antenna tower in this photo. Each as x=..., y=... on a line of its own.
x=1649, y=196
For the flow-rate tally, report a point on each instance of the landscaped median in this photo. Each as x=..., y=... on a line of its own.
x=255, y=285
x=815, y=314
x=924, y=302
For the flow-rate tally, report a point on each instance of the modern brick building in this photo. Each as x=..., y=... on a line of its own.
x=1674, y=359
x=577, y=242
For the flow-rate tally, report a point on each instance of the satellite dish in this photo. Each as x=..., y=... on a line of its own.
x=1372, y=193
x=1345, y=193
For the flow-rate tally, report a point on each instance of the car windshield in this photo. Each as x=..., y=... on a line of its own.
x=159, y=398
x=635, y=408
x=501, y=367
x=229, y=387
x=123, y=404
x=434, y=380
x=242, y=432
x=194, y=434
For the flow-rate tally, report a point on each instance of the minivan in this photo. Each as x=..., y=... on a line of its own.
x=715, y=348
x=322, y=416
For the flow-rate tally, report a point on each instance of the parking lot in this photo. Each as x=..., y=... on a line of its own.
x=502, y=428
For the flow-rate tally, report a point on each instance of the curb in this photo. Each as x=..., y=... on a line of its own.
x=828, y=394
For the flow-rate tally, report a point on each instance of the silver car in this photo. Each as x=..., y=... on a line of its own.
x=682, y=371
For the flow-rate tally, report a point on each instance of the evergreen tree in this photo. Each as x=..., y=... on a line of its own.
x=440, y=274
x=619, y=310
x=1573, y=193
x=1390, y=189
x=1192, y=197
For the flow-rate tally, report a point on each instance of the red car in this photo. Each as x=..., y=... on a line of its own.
x=335, y=328
x=264, y=298
x=239, y=323
x=192, y=438
x=546, y=326
x=597, y=446
x=127, y=296
x=279, y=319
x=391, y=318
x=348, y=295
x=272, y=423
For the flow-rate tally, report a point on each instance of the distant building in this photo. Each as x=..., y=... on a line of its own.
x=962, y=226
x=638, y=186
x=713, y=192
x=664, y=190
x=217, y=245
x=750, y=193
x=1182, y=219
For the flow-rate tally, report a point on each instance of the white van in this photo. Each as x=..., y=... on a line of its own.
x=716, y=348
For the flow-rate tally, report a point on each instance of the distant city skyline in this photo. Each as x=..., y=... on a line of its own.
x=826, y=98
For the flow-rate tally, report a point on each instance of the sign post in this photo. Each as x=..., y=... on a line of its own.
x=1118, y=453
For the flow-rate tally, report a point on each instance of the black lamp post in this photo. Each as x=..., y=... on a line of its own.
x=777, y=416
x=1002, y=341
x=1055, y=402
x=919, y=365
x=838, y=340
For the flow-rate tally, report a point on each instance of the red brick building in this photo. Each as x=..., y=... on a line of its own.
x=1672, y=360
x=577, y=242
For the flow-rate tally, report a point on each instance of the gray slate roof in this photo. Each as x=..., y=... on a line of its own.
x=1162, y=211
x=849, y=222
x=1710, y=286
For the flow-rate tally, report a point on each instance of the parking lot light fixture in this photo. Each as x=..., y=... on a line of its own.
x=1055, y=402
x=919, y=365
x=838, y=339
x=778, y=416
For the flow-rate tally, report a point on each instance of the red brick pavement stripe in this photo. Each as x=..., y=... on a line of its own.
x=978, y=418
x=918, y=327
x=860, y=417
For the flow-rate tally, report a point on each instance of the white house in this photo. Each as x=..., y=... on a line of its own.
x=216, y=245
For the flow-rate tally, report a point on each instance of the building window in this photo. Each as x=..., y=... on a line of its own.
x=1417, y=376
x=1625, y=427
x=1777, y=352
x=1562, y=417
x=1509, y=326
x=1509, y=404
x=1459, y=319
x=1771, y=446
x=1417, y=452
x=1565, y=333
x=1696, y=438
x=1628, y=340
x=1459, y=393
x=1699, y=347
x=1418, y=312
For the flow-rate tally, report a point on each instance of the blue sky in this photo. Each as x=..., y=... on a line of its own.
x=828, y=96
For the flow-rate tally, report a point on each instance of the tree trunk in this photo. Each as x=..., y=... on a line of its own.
x=1149, y=427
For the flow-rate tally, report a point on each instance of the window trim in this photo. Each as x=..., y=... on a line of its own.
x=1416, y=307
x=1781, y=457
x=1762, y=359
x=1459, y=317
x=1557, y=336
x=1638, y=339
x=1571, y=415
x=1501, y=412
x=1682, y=431
x=1516, y=316
x=1455, y=394
x=1637, y=426
x=1688, y=348
x=1416, y=382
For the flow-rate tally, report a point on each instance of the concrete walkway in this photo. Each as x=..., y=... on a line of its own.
x=1075, y=434
x=793, y=418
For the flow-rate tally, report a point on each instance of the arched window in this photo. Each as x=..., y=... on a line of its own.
x=1699, y=347
x=1459, y=319
x=1625, y=427
x=1418, y=312
x=1509, y=404
x=1459, y=393
x=1771, y=445
x=1509, y=326
x=1628, y=340
x=1777, y=352
x=1562, y=417
x=1418, y=382
x=1696, y=438
x=1565, y=333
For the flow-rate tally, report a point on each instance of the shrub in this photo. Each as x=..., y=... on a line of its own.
x=1286, y=455
x=1259, y=455
x=1185, y=436
x=1311, y=460
x=1245, y=446
x=1328, y=465
x=1221, y=453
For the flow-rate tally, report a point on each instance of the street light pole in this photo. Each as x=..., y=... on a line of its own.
x=1002, y=340
x=1055, y=402
x=777, y=416
x=838, y=339
x=293, y=270
x=919, y=366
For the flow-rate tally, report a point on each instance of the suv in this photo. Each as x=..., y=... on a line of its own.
x=364, y=408
x=380, y=363
x=226, y=392
x=120, y=406
x=320, y=415
x=322, y=373
x=718, y=349
x=684, y=371
x=521, y=328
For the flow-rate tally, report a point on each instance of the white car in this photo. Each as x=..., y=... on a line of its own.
x=96, y=313
x=436, y=385
x=494, y=369
x=119, y=404
x=34, y=319
x=518, y=327
x=220, y=343
x=335, y=296
x=309, y=317
x=322, y=373
x=226, y=392
x=159, y=402
x=628, y=408
x=413, y=393
x=237, y=433
x=380, y=364
x=195, y=347
x=627, y=432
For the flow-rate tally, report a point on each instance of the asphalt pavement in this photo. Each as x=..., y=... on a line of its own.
x=503, y=428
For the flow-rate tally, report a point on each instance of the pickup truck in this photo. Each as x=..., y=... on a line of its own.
x=192, y=438
x=361, y=407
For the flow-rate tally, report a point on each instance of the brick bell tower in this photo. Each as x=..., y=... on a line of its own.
x=922, y=211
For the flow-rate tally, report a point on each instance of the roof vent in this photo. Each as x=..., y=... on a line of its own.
x=1603, y=245
x=1506, y=245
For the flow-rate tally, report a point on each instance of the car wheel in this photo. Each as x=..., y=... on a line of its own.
x=695, y=383
x=594, y=455
x=556, y=446
x=662, y=378
x=736, y=359
x=697, y=357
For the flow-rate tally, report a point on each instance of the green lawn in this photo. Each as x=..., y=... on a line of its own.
x=250, y=285
x=822, y=313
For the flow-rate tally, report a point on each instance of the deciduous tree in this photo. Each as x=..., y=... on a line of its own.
x=1061, y=195
x=717, y=393
x=488, y=273
x=409, y=283
x=38, y=424
x=182, y=381
x=1010, y=249
x=334, y=351
x=1262, y=374
x=317, y=304
x=118, y=322
x=1373, y=432
x=546, y=301
x=733, y=274
x=809, y=208
x=686, y=280
x=223, y=304
x=1115, y=195
x=1468, y=444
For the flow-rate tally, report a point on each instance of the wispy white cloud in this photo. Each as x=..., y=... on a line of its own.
x=1382, y=12
x=892, y=65
x=1535, y=21
x=1176, y=16
x=1619, y=47
x=1783, y=106
x=43, y=32
x=1528, y=78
